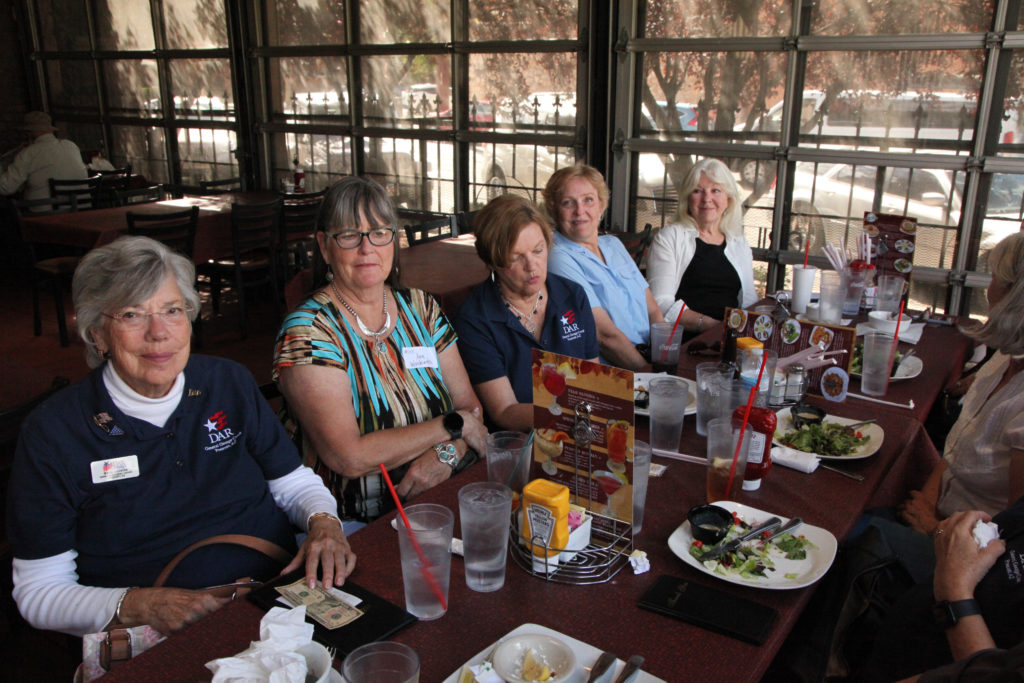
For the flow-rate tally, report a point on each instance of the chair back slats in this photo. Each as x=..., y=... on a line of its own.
x=141, y=195
x=254, y=228
x=464, y=222
x=438, y=229
x=637, y=243
x=220, y=185
x=176, y=229
x=298, y=215
x=83, y=191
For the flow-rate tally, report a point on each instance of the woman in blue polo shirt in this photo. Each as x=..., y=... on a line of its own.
x=520, y=308
x=576, y=197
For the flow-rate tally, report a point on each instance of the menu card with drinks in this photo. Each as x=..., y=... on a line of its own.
x=790, y=336
x=893, y=242
x=578, y=401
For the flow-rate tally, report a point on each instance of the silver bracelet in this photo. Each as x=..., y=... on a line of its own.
x=120, y=602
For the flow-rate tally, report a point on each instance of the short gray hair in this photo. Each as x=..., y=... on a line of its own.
x=125, y=272
x=347, y=202
x=732, y=218
x=1004, y=329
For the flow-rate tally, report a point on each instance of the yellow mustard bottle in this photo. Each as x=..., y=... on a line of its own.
x=545, y=518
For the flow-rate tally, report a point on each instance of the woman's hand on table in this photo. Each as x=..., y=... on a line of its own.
x=167, y=609
x=424, y=472
x=959, y=563
x=919, y=512
x=326, y=547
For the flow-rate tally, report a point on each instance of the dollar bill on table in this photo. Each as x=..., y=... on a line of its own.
x=326, y=608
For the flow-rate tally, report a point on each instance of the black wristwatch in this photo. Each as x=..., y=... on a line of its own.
x=453, y=424
x=947, y=614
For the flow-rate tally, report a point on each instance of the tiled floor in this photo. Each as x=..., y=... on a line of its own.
x=28, y=365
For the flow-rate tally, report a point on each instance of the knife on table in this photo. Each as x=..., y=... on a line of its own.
x=601, y=665
x=723, y=548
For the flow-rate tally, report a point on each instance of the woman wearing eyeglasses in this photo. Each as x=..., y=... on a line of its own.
x=152, y=452
x=370, y=372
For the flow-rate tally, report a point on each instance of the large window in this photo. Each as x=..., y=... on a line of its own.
x=825, y=110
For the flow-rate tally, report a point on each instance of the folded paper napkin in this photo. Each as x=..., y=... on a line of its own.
x=274, y=657
x=985, y=532
x=911, y=336
x=798, y=460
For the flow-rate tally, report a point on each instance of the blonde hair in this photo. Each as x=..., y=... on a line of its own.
x=731, y=223
x=498, y=225
x=1004, y=329
x=560, y=178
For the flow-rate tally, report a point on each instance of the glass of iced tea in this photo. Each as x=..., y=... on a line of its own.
x=721, y=447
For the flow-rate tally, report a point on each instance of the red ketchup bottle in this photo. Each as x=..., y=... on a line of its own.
x=761, y=425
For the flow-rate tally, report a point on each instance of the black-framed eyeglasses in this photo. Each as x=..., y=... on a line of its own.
x=350, y=239
x=135, y=319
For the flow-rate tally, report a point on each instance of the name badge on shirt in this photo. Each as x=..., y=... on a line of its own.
x=104, y=471
x=420, y=357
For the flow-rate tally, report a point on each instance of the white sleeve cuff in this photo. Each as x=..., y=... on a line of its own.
x=301, y=494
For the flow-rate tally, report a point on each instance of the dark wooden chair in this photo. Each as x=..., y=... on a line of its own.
x=637, y=243
x=111, y=183
x=84, y=192
x=141, y=195
x=176, y=229
x=221, y=185
x=47, y=267
x=437, y=229
x=298, y=223
x=464, y=222
x=254, y=239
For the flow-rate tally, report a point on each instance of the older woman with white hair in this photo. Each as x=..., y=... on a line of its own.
x=154, y=451
x=982, y=466
x=704, y=259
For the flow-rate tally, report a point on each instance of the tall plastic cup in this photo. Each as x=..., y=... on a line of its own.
x=830, y=305
x=485, y=509
x=721, y=447
x=508, y=459
x=874, y=378
x=432, y=525
x=803, y=286
x=712, y=384
x=641, y=472
x=890, y=291
x=665, y=348
x=381, y=662
x=669, y=396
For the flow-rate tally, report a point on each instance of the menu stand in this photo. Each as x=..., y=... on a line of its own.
x=611, y=539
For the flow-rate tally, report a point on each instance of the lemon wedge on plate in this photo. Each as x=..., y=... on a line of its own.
x=533, y=669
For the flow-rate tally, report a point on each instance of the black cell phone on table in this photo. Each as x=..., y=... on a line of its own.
x=710, y=608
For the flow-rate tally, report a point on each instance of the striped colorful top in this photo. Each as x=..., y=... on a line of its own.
x=385, y=393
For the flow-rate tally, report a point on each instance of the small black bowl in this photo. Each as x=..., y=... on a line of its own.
x=709, y=523
x=805, y=414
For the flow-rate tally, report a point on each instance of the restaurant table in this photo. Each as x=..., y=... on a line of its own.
x=606, y=615
x=95, y=227
x=447, y=269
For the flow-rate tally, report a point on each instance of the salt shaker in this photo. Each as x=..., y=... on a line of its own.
x=796, y=383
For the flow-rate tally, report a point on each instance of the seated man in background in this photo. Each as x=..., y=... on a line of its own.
x=44, y=158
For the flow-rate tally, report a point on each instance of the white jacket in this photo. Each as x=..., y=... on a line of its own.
x=45, y=158
x=670, y=256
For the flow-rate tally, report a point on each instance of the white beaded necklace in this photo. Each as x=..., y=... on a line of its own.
x=378, y=345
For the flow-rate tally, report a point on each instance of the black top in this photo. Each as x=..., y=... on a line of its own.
x=710, y=282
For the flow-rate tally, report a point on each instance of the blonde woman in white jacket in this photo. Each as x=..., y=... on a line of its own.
x=704, y=259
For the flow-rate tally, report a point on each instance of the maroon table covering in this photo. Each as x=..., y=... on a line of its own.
x=606, y=615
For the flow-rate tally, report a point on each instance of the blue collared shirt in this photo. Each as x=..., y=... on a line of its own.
x=616, y=285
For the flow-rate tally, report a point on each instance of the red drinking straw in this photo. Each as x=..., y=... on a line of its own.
x=807, y=250
x=743, y=427
x=424, y=564
x=896, y=336
x=672, y=334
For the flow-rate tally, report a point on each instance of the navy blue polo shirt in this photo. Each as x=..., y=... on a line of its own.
x=493, y=343
x=128, y=495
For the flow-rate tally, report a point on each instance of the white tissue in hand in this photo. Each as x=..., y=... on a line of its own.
x=798, y=460
x=985, y=532
x=273, y=658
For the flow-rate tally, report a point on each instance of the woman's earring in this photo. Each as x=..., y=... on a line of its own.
x=330, y=274
x=492, y=276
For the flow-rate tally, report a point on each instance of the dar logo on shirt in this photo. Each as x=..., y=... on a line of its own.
x=570, y=328
x=221, y=436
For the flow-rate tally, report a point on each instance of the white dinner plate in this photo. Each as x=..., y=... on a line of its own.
x=874, y=433
x=586, y=655
x=907, y=369
x=640, y=380
x=803, y=572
